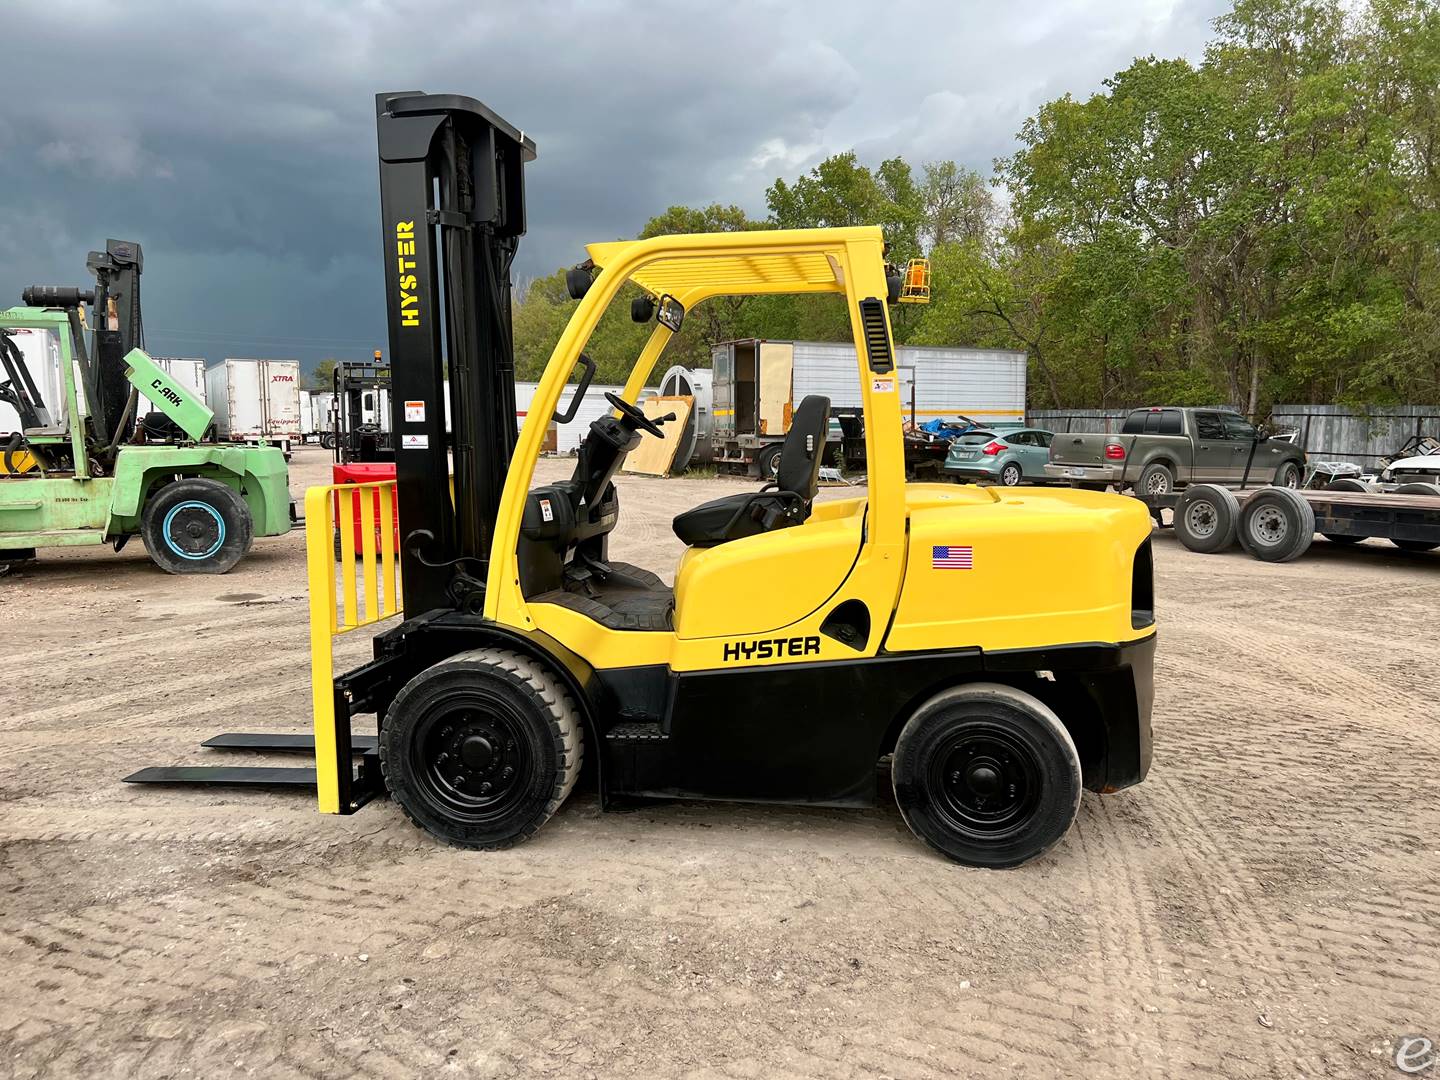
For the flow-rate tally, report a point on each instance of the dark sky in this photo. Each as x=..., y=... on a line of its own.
x=235, y=140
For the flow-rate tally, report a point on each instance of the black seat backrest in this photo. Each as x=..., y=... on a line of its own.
x=804, y=448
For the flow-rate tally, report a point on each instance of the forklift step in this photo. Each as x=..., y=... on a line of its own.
x=247, y=776
x=635, y=732
x=282, y=744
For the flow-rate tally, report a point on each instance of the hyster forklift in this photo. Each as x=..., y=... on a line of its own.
x=994, y=647
x=85, y=468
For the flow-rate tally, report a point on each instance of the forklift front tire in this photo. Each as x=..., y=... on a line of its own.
x=481, y=749
x=987, y=775
x=196, y=526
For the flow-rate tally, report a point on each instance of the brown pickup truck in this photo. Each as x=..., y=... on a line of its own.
x=1160, y=450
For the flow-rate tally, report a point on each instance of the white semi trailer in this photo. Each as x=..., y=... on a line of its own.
x=256, y=401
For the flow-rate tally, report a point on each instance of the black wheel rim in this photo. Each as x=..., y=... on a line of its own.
x=986, y=782
x=193, y=530
x=472, y=759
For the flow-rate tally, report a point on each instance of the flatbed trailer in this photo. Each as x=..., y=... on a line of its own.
x=1279, y=524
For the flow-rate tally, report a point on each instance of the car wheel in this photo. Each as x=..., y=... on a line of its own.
x=1155, y=479
x=1011, y=475
x=1416, y=489
x=1287, y=475
x=986, y=775
x=1349, y=483
x=1277, y=524
x=1206, y=518
x=481, y=749
x=196, y=526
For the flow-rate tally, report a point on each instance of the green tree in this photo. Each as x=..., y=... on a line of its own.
x=322, y=375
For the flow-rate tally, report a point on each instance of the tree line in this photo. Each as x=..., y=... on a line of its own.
x=1256, y=227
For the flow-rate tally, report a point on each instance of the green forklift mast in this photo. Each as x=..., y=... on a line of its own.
x=117, y=327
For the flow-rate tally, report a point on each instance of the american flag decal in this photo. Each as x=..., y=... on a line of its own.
x=952, y=558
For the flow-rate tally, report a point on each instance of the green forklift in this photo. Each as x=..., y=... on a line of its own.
x=85, y=467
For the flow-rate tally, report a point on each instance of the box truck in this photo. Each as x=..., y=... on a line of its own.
x=256, y=401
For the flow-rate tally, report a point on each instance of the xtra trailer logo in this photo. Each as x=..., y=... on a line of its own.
x=405, y=261
x=771, y=648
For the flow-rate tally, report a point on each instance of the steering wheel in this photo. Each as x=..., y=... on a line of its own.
x=635, y=415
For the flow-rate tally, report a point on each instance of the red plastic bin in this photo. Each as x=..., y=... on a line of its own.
x=367, y=472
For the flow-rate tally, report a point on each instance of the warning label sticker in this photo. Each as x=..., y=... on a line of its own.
x=546, y=511
x=414, y=412
x=882, y=386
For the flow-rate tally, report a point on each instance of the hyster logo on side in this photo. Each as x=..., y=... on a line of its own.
x=405, y=260
x=772, y=648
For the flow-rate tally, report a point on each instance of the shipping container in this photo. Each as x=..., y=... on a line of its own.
x=757, y=384
x=255, y=401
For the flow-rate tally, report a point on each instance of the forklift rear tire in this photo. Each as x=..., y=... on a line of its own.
x=481, y=749
x=196, y=526
x=986, y=775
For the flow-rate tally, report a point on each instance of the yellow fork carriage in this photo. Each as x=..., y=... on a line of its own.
x=991, y=650
x=351, y=587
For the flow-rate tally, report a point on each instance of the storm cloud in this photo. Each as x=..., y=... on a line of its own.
x=235, y=141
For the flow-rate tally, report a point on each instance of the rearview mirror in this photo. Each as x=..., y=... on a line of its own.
x=671, y=314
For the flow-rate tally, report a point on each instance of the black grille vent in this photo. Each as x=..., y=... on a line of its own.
x=877, y=338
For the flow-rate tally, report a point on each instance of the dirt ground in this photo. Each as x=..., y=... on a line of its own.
x=1267, y=903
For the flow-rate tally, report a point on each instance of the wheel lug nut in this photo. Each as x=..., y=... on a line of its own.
x=485, y=789
x=955, y=777
x=508, y=773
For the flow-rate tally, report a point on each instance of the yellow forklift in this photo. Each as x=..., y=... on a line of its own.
x=993, y=647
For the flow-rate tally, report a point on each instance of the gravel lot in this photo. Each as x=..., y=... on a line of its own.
x=1267, y=903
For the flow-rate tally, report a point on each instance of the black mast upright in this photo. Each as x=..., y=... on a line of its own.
x=452, y=200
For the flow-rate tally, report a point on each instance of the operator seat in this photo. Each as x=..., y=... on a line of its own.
x=784, y=503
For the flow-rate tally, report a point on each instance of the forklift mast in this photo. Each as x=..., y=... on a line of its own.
x=452, y=201
x=351, y=381
x=117, y=289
